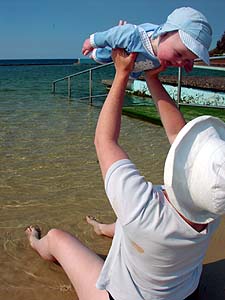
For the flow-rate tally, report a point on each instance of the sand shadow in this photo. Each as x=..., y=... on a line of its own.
x=212, y=284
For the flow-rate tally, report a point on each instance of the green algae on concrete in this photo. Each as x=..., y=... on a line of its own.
x=150, y=114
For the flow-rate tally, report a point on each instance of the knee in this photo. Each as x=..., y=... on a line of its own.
x=54, y=236
x=59, y=240
x=53, y=233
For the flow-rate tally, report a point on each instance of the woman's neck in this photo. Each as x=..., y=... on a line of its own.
x=198, y=227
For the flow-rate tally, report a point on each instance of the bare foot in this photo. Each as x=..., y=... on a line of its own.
x=96, y=225
x=33, y=234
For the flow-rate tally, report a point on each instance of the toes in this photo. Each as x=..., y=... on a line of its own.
x=38, y=230
x=35, y=230
x=91, y=218
x=28, y=229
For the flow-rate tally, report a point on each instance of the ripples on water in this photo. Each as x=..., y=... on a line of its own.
x=50, y=175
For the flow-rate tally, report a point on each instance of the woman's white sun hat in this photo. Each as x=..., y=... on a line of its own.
x=194, y=30
x=194, y=173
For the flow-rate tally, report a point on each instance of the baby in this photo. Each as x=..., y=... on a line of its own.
x=185, y=36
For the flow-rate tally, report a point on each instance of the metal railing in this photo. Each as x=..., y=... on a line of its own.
x=90, y=71
x=90, y=85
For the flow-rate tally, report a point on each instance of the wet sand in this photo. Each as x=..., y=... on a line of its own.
x=50, y=176
x=54, y=180
x=26, y=276
x=213, y=276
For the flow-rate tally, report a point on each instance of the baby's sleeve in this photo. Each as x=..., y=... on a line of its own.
x=124, y=36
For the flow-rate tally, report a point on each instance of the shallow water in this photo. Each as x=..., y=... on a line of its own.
x=50, y=176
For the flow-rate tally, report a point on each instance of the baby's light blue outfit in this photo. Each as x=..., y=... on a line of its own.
x=132, y=38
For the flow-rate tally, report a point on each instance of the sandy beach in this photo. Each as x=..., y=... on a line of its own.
x=213, y=276
x=41, y=280
x=58, y=185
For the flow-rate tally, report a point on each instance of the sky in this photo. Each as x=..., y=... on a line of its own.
x=57, y=28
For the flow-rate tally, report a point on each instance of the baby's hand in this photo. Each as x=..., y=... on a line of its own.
x=87, y=48
x=188, y=66
x=122, y=22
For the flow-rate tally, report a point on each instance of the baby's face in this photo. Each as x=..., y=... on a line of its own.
x=172, y=52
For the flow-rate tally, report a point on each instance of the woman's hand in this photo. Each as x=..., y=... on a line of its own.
x=155, y=72
x=188, y=66
x=123, y=61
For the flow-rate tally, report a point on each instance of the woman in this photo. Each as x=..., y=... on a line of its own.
x=161, y=236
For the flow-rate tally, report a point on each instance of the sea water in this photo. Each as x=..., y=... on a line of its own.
x=50, y=174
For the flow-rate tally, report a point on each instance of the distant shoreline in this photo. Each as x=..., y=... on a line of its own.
x=214, y=61
x=36, y=62
x=22, y=65
x=43, y=62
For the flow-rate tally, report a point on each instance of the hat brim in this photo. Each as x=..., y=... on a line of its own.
x=195, y=46
x=179, y=163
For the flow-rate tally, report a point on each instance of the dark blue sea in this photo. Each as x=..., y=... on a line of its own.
x=26, y=62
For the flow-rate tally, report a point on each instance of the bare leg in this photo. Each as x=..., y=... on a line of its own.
x=101, y=228
x=81, y=265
